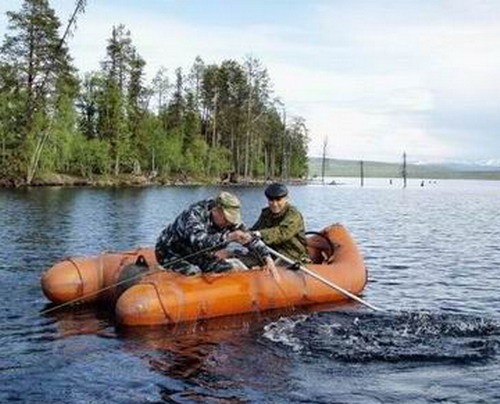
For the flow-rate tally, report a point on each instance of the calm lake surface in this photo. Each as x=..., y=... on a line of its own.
x=433, y=255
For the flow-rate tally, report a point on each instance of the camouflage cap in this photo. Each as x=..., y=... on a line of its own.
x=230, y=206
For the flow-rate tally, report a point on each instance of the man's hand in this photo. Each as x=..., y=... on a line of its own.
x=222, y=254
x=239, y=236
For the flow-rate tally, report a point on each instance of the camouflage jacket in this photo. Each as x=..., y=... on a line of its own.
x=284, y=232
x=194, y=230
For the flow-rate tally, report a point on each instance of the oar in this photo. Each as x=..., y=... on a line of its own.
x=325, y=281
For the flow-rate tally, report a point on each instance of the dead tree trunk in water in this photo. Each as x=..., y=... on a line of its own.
x=403, y=171
x=361, y=173
x=323, y=161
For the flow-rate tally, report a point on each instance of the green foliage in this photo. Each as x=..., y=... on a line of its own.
x=219, y=161
x=35, y=67
x=170, y=157
x=87, y=104
x=176, y=107
x=56, y=155
x=195, y=163
x=191, y=125
x=89, y=157
x=213, y=120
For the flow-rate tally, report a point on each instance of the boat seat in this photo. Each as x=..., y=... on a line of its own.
x=319, y=248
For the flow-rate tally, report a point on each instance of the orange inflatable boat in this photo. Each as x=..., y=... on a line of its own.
x=92, y=279
x=165, y=297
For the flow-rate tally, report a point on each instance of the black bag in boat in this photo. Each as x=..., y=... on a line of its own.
x=131, y=274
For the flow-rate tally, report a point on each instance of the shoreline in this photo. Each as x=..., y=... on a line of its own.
x=129, y=180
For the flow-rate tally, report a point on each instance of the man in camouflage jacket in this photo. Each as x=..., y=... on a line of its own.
x=188, y=244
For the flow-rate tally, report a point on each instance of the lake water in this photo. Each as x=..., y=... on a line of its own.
x=433, y=256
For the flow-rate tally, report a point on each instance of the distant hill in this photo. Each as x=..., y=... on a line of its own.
x=351, y=168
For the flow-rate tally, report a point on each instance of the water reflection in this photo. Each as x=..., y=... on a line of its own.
x=218, y=358
x=82, y=320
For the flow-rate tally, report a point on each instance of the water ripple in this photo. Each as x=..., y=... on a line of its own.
x=402, y=337
x=432, y=252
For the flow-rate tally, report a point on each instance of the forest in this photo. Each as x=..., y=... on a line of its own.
x=204, y=123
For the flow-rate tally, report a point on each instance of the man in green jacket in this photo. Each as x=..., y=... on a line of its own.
x=281, y=225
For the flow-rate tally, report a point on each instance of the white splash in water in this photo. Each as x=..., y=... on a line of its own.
x=282, y=331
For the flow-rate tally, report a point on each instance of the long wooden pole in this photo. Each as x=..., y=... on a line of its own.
x=325, y=281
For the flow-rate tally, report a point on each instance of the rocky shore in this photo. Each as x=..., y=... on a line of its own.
x=126, y=180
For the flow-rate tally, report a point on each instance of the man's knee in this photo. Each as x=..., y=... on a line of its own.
x=179, y=265
x=219, y=266
x=187, y=269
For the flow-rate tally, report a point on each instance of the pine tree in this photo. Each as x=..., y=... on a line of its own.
x=87, y=104
x=112, y=122
x=39, y=66
x=177, y=105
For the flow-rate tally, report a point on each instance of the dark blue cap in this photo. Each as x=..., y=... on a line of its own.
x=276, y=190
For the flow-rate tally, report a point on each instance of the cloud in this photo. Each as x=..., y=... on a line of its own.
x=364, y=135
x=377, y=78
x=448, y=54
x=172, y=41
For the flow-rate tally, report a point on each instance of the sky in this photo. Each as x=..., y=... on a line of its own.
x=373, y=79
